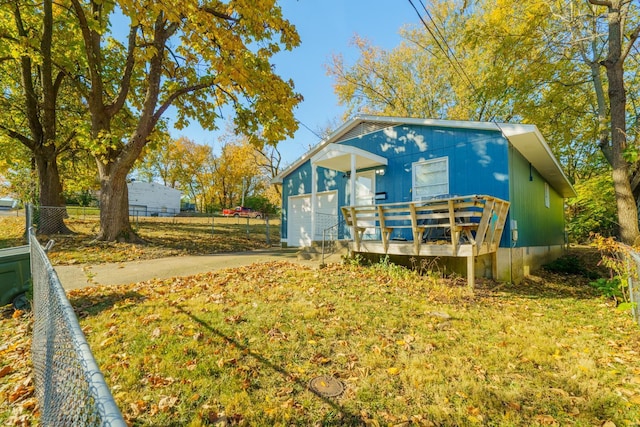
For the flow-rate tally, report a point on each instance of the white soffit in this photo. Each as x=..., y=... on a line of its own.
x=338, y=157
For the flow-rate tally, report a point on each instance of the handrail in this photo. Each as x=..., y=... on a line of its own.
x=478, y=218
x=324, y=234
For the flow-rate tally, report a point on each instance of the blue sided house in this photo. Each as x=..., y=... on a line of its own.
x=490, y=195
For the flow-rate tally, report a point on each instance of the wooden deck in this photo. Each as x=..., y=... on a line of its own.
x=464, y=226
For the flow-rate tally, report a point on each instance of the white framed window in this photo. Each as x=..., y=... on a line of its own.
x=430, y=178
x=547, y=201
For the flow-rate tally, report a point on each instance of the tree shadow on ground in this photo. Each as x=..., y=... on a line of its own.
x=343, y=418
x=91, y=304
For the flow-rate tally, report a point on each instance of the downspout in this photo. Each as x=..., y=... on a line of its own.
x=353, y=180
x=511, y=243
x=314, y=198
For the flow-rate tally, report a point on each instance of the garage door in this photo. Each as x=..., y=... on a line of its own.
x=299, y=231
x=299, y=221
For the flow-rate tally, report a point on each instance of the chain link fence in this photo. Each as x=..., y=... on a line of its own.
x=69, y=386
x=51, y=220
x=634, y=284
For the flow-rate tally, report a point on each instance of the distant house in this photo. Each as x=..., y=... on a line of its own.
x=152, y=199
x=408, y=165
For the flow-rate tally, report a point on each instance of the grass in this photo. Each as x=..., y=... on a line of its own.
x=164, y=236
x=241, y=345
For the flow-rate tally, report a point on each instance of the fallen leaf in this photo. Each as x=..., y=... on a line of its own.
x=515, y=406
x=167, y=402
x=5, y=371
x=393, y=371
x=546, y=420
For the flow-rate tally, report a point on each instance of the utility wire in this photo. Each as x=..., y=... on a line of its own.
x=309, y=129
x=449, y=50
x=457, y=66
x=456, y=69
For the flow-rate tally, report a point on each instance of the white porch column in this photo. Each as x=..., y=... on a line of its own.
x=353, y=179
x=314, y=198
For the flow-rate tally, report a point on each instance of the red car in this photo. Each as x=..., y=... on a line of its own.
x=241, y=211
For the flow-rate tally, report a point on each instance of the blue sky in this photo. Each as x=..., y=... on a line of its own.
x=326, y=27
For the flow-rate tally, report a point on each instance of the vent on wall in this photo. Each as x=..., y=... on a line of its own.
x=364, y=128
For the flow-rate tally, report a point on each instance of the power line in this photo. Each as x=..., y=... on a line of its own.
x=309, y=129
x=459, y=69
x=453, y=65
x=444, y=40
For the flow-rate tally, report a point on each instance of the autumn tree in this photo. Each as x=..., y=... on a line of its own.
x=195, y=56
x=161, y=160
x=623, y=30
x=38, y=110
x=531, y=62
x=196, y=172
x=236, y=173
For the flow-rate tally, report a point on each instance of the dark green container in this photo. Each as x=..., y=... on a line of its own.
x=15, y=275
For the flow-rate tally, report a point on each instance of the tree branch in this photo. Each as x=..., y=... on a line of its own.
x=92, y=49
x=601, y=3
x=30, y=96
x=220, y=15
x=632, y=39
x=26, y=141
x=125, y=82
x=57, y=83
x=175, y=95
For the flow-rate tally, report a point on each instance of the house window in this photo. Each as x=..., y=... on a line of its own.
x=430, y=178
x=547, y=201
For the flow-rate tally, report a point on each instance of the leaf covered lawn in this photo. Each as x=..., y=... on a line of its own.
x=18, y=405
x=239, y=347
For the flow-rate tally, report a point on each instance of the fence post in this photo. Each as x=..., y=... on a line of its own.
x=633, y=282
x=27, y=220
x=266, y=226
x=247, y=227
x=213, y=221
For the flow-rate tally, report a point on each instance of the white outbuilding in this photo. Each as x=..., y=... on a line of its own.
x=153, y=199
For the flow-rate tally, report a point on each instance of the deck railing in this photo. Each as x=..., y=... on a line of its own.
x=461, y=226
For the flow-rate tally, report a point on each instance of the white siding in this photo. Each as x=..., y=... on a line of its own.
x=150, y=198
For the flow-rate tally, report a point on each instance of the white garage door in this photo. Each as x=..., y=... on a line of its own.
x=299, y=231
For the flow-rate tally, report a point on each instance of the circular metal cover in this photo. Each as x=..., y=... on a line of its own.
x=326, y=386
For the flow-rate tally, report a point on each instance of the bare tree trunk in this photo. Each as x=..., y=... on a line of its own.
x=114, y=206
x=614, y=150
x=625, y=201
x=52, y=207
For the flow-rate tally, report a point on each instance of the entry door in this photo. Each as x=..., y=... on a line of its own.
x=365, y=188
x=365, y=195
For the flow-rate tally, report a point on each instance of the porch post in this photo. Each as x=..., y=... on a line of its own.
x=353, y=179
x=314, y=198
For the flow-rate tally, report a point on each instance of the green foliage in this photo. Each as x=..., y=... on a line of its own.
x=610, y=288
x=568, y=264
x=384, y=265
x=81, y=198
x=594, y=210
x=616, y=258
x=261, y=204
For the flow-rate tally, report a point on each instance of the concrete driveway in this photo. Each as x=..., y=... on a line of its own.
x=79, y=276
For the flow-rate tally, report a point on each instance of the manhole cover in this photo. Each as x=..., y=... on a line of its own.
x=326, y=386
